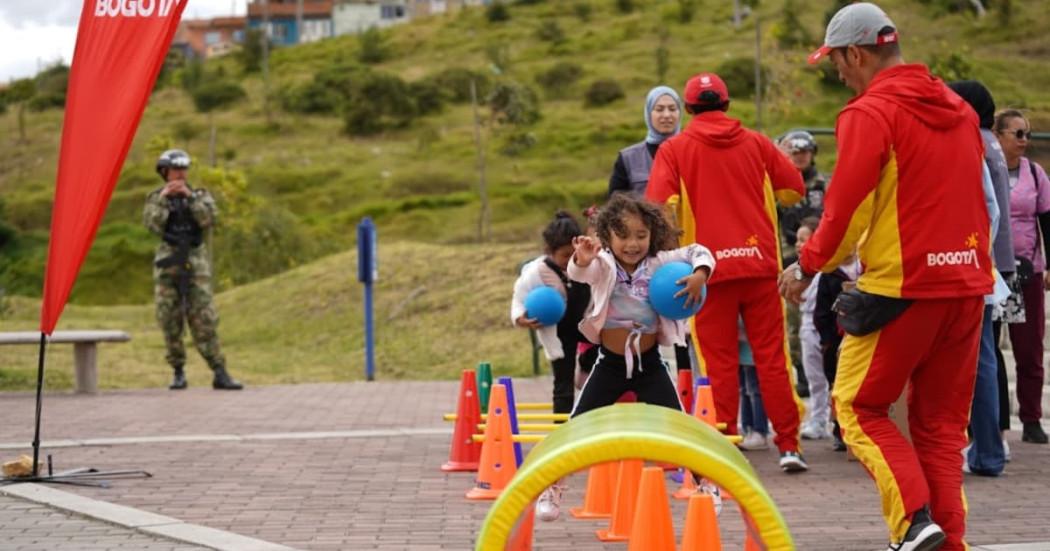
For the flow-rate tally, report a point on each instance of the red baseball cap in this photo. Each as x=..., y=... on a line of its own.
x=705, y=82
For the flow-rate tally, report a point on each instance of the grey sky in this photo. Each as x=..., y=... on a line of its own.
x=37, y=33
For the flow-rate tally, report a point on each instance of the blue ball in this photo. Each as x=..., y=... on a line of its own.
x=662, y=289
x=544, y=305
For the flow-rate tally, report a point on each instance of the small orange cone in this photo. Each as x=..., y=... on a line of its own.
x=601, y=485
x=685, y=389
x=521, y=537
x=704, y=409
x=652, y=529
x=688, y=486
x=626, y=495
x=464, y=453
x=751, y=542
x=701, y=525
x=498, y=464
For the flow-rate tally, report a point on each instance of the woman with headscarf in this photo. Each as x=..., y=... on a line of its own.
x=663, y=117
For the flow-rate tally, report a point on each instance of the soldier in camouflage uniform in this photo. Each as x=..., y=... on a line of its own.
x=180, y=215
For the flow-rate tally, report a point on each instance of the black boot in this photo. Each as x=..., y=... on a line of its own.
x=1033, y=432
x=178, y=382
x=223, y=381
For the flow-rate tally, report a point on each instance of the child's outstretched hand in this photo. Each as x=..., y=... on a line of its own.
x=694, y=285
x=586, y=249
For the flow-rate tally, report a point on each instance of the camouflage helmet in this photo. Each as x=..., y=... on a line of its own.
x=799, y=140
x=172, y=158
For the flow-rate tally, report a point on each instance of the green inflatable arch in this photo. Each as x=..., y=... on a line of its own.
x=635, y=431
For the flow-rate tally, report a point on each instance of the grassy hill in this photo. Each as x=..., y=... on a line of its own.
x=313, y=182
x=439, y=309
x=293, y=186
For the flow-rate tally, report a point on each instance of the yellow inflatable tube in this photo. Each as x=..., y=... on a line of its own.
x=626, y=431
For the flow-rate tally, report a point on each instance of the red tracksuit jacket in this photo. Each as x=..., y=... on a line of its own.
x=907, y=192
x=726, y=180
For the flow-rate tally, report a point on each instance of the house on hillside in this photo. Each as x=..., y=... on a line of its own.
x=355, y=16
x=422, y=8
x=283, y=29
x=205, y=38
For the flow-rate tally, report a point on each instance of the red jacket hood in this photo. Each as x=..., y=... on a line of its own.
x=921, y=94
x=716, y=129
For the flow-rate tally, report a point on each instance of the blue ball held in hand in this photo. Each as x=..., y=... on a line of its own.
x=663, y=287
x=544, y=305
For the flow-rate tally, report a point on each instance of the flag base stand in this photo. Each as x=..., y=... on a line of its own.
x=84, y=476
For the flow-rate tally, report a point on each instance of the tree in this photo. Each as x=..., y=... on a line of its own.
x=251, y=53
x=213, y=95
x=373, y=46
x=497, y=12
x=20, y=92
x=663, y=56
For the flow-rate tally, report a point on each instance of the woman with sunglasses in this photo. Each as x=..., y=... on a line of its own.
x=1029, y=225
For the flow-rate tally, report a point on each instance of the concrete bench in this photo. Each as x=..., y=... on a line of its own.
x=85, y=350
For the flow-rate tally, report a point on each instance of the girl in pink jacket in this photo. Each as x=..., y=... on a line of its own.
x=634, y=240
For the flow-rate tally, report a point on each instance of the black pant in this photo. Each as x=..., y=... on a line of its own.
x=650, y=381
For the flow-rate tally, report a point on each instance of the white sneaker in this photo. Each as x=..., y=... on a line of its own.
x=1006, y=450
x=709, y=488
x=754, y=441
x=792, y=462
x=548, y=506
x=813, y=431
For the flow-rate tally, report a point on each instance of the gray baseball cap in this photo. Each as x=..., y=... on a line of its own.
x=856, y=24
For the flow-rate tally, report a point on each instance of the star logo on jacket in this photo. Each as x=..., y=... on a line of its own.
x=971, y=241
x=752, y=241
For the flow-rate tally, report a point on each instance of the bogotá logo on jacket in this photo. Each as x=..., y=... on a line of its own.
x=750, y=250
x=965, y=257
x=134, y=8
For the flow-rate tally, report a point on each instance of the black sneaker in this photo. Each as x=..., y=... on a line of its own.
x=1033, y=432
x=838, y=444
x=792, y=462
x=923, y=534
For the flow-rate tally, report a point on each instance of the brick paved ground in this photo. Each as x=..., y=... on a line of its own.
x=245, y=464
x=27, y=526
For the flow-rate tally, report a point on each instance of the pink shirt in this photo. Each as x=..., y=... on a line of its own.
x=1027, y=201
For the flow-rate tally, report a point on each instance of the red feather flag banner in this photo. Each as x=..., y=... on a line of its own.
x=121, y=46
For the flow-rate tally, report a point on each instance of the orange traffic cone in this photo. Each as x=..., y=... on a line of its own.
x=688, y=486
x=521, y=537
x=701, y=525
x=598, y=501
x=751, y=542
x=652, y=529
x=685, y=389
x=704, y=409
x=497, y=464
x=464, y=453
x=626, y=495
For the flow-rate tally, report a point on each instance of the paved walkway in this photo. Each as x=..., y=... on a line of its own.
x=355, y=466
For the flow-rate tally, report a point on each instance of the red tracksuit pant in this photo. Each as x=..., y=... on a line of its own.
x=716, y=337
x=932, y=346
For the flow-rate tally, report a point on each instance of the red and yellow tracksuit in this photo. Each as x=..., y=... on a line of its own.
x=726, y=181
x=907, y=195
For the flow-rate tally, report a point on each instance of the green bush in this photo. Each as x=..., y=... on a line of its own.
x=216, y=94
x=739, y=76
x=603, y=92
x=497, y=12
x=518, y=142
x=373, y=47
x=41, y=102
x=428, y=96
x=550, y=31
x=953, y=66
x=582, y=10
x=378, y=102
x=455, y=83
x=789, y=31
x=559, y=78
x=625, y=6
x=514, y=103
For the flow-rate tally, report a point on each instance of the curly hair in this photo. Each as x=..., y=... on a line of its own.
x=662, y=234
